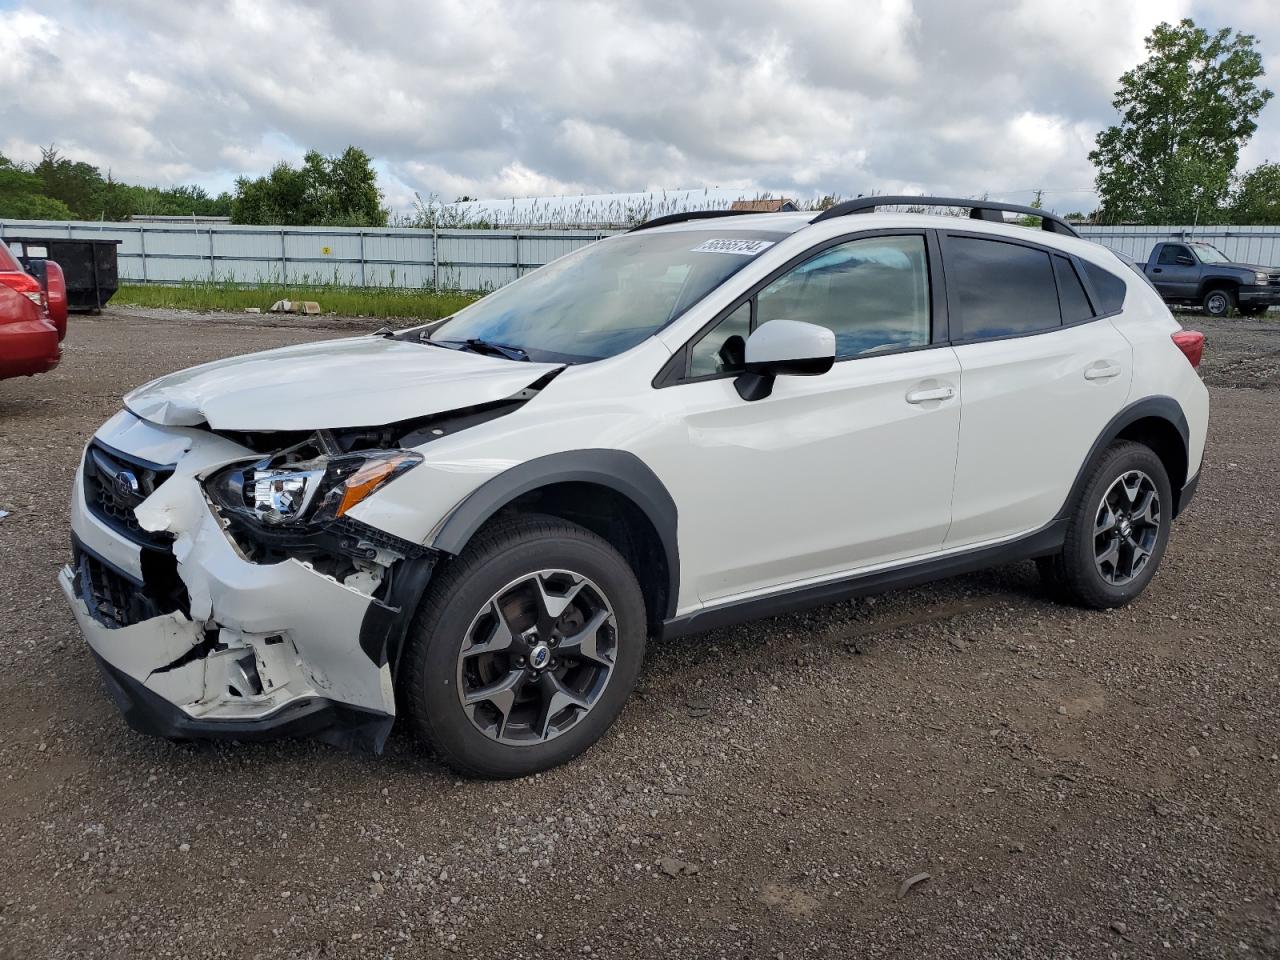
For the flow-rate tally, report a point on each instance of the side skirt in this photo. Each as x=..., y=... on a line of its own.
x=1045, y=541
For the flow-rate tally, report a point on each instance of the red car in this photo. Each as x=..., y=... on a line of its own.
x=33, y=316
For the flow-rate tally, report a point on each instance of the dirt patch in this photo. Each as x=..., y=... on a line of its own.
x=832, y=755
x=1240, y=352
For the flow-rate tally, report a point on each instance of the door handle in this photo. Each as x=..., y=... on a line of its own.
x=1156, y=270
x=1102, y=370
x=935, y=393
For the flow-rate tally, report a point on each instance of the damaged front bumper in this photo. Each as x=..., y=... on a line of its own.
x=196, y=640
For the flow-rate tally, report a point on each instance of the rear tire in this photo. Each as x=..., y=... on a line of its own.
x=524, y=648
x=1117, y=531
x=1218, y=302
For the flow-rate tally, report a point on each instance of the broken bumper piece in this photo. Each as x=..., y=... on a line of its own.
x=197, y=640
x=149, y=713
x=241, y=692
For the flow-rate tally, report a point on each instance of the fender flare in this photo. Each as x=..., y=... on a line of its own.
x=618, y=470
x=1164, y=408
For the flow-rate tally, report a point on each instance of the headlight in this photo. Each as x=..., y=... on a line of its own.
x=300, y=487
x=1261, y=276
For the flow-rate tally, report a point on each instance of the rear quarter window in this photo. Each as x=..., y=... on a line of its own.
x=1109, y=288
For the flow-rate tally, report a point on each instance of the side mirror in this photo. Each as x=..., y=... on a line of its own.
x=1184, y=261
x=784, y=348
x=733, y=353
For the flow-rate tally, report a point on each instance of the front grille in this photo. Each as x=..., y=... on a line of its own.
x=114, y=484
x=118, y=600
x=1274, y=279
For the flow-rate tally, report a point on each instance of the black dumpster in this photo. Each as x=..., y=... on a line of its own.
x=89, y=266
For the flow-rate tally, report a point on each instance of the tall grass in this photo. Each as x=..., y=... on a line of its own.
x=389, y=302
x=590, y=213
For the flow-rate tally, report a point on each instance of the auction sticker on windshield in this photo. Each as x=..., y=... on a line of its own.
x=744, y=248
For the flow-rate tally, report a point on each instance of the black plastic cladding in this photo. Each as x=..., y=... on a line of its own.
x=618, y=470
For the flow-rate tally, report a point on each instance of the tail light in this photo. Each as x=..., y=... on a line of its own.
x=26, y=285
x=56, y=292
x=1191, y=343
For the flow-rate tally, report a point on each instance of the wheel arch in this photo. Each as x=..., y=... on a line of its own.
x=1156, y=422
x=1230, y=284
x=613, y=493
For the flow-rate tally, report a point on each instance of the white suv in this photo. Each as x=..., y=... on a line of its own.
x=479, y=522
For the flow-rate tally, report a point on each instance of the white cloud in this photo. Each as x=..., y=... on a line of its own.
x=488, y=98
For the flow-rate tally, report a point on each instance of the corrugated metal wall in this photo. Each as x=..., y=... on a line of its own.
x=1260, y=245
x=452, y=259
x=455, y=259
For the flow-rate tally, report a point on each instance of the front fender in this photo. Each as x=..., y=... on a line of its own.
x=617, y=470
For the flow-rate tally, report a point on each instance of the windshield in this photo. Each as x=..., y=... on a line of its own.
x=1208, y=253
x=609, y=296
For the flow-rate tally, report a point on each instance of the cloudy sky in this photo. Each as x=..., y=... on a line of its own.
x=509, y=98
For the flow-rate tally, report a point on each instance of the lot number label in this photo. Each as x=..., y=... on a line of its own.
x=744, y=248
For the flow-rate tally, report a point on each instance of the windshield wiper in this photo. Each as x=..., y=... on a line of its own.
x=488, y=348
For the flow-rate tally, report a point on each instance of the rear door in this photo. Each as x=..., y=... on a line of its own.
x=1042, y=372
x=1176, y=272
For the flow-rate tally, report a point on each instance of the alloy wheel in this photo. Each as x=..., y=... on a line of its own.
x=1216, y=304
x=1126, y=527
x=537, y=657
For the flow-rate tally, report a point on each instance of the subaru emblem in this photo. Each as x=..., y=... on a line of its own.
x=126, y=485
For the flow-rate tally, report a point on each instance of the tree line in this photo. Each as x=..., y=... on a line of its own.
x=340, y=190
x=59, y=188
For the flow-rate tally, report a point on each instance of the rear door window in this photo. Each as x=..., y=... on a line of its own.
x=997, y=289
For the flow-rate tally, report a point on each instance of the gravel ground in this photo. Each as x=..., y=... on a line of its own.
x=1074, y=784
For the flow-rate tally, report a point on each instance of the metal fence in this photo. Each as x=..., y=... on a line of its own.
x=1243, y=244
x=399, y=257
x=448, y=259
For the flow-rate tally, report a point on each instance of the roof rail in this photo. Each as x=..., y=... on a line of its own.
x=978, y=210
x=688, y=215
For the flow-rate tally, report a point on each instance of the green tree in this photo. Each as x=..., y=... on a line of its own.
x=1185, y=112
x=20, y=196
x=77, y=184
x=1256, y=198
x=1037, y=203
x=337, y=190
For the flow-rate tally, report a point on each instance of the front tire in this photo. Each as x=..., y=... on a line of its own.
x=1218, y=302
x=1118, y=530
x=524, y=648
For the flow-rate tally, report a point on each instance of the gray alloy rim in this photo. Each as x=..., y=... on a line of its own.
x=1217, y=303
x=1126, y=528
x=537, y=657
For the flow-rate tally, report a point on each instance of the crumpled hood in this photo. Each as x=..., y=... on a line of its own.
x=354, y=382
